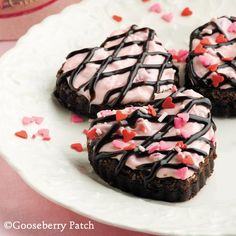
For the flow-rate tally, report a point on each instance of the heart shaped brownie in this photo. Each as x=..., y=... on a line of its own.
x=211, y=65
x=129, y=68
x=164, y=150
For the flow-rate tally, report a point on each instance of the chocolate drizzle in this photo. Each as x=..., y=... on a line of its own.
x=204, y=81
x=114, y=97
x=150, y=170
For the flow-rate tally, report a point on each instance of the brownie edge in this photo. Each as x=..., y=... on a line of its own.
x=165, y=189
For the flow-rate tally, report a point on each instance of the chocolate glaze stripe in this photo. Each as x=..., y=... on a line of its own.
x=204, y=81
x=100, y=74
x=131, y=121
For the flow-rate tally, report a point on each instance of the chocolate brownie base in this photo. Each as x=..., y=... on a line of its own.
x=223, y=101
x=68, y=98
x=164, y=189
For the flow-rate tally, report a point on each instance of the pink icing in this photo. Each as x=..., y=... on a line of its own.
x=139, y=94
x=145, y=128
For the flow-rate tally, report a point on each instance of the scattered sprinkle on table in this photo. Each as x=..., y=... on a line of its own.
x=77, y=147
x=117, y=18
x=76, y=119
x=186, y=12
x=22, y=134
x=156, y=8
x=168, y=17
x=28, y=120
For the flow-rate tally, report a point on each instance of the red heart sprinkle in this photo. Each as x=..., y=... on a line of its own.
x=117, y=18
x=205, y=41
x=181, y=144
x=221, y=39
x=213, y=67
x=227, y=59
x=168, y=103
x=91, y=134
x=216, y=80
x=120, y=116
x=128, y=135
x=151, y=110
x=145, y=0
x=77, y=147
x=132, y=146
x=188, y=160
x=199, y=49
x=22, y=134
x=186, y=12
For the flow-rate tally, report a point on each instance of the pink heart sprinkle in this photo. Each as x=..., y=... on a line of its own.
x=181, y=120
x=27, y=120
x=167, y=17
x=205, y=60
x=156, y=8
x=37, y=119
x=184, y=116
x=182, y=173
x=173, y=88
x=182, y=55
x=232, y=28
x=178, y=122
x=76, y=119
x=43, y=132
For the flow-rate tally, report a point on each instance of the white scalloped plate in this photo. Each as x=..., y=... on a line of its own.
x=27, y=75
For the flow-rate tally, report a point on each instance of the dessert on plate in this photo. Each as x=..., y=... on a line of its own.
x=128, y=69
x=211, y=65
x=164, y=150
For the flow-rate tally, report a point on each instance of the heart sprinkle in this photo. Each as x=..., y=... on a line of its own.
x=128, y=135
x=213, y=67
x=181, y=144
x=151, y=110
x=205, y=42
x=168, y=104
x=156, y=8
x=186, y=12
x=221, y=39
x=76, y=119
x=199, y=49
x=181, y=120
x=117, y=18
x=92, y=134
x=216, y=80
x=22, y=134
x=120, y=116
x=168, y=17
x=77, y=147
